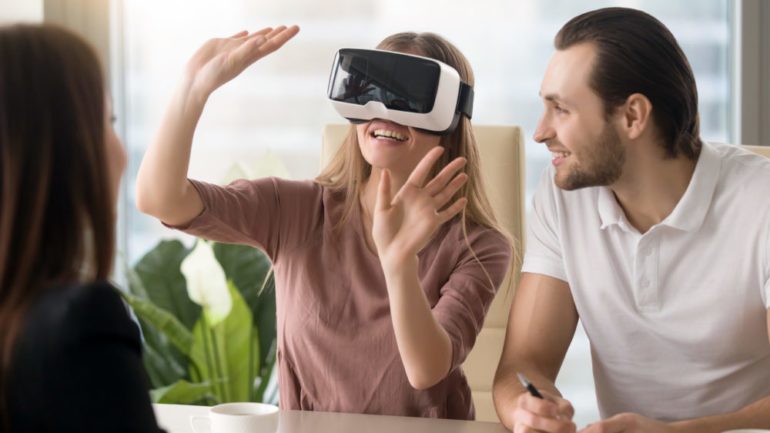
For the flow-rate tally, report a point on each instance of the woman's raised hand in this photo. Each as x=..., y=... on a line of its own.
x=220, y=60
x=404, y=224
x=162, y=188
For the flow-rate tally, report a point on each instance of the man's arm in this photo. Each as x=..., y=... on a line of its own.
x=541, y=325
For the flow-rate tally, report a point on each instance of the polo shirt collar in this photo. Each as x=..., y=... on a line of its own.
x=689, y=213
x=610, y=212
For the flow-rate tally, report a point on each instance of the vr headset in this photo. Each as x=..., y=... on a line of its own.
x=410, y=90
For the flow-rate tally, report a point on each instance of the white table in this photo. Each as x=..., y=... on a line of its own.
x=176, y=419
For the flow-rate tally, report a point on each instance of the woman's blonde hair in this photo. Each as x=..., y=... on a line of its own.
x=348, y=170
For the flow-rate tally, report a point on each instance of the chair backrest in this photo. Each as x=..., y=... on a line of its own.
x=501, y=149
x=762, y=150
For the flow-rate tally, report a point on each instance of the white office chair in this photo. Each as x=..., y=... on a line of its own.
x=762, y=150
x=501, y=149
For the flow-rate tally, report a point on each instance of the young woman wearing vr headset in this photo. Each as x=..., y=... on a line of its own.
x=385, y=264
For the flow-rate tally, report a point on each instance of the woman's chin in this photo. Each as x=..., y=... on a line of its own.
x=384, y=157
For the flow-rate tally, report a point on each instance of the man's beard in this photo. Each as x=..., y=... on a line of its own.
x=600, y=167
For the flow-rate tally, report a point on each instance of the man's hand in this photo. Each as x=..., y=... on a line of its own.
x=550, y=415
x=628, y=423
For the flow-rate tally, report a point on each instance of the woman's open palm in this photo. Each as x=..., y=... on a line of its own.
x=403, y=224
x=220, y=60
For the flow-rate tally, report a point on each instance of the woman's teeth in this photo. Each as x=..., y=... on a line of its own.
x=388, y=134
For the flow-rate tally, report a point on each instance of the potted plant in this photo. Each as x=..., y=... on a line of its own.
x=207, y=316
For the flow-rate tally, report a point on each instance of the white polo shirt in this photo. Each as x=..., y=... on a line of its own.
x=677, y=316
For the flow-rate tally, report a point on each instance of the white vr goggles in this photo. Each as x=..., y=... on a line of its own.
x=406, y=89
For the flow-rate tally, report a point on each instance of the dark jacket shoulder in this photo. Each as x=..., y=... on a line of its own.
x=77, y=365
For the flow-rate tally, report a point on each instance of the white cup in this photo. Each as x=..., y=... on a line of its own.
x=238, y=418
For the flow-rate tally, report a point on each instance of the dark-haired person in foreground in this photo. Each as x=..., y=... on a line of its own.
x=70, y=356
x=658, y=242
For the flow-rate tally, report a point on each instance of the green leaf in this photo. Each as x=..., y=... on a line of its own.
x=251, y=272
x=246, y=267
x=165, y=323
x=224, y=349
x=271, y=390
x=181, y=392
x=163, y=362
x=135, y=283
x=265, y=321
x=163, y=282
x=263, y=378
x=163, y=370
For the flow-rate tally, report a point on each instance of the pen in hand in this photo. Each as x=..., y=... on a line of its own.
x=535, y=393
x=527, y=384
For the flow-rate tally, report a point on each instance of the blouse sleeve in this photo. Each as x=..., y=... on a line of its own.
x=270, y=214
x=465, y=298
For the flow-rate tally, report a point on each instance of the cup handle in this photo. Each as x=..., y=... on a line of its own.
x=197, y=420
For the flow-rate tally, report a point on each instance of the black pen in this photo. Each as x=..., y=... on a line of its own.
x=527, y=384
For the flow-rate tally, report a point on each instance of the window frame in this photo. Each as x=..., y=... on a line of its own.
x=750, y=61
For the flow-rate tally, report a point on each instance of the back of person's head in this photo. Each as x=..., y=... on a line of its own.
x=636, y=53
x=56, y=202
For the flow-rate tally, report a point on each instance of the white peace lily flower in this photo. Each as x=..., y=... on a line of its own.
x=206, y=282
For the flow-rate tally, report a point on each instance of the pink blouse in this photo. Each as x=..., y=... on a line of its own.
x=336, y=345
